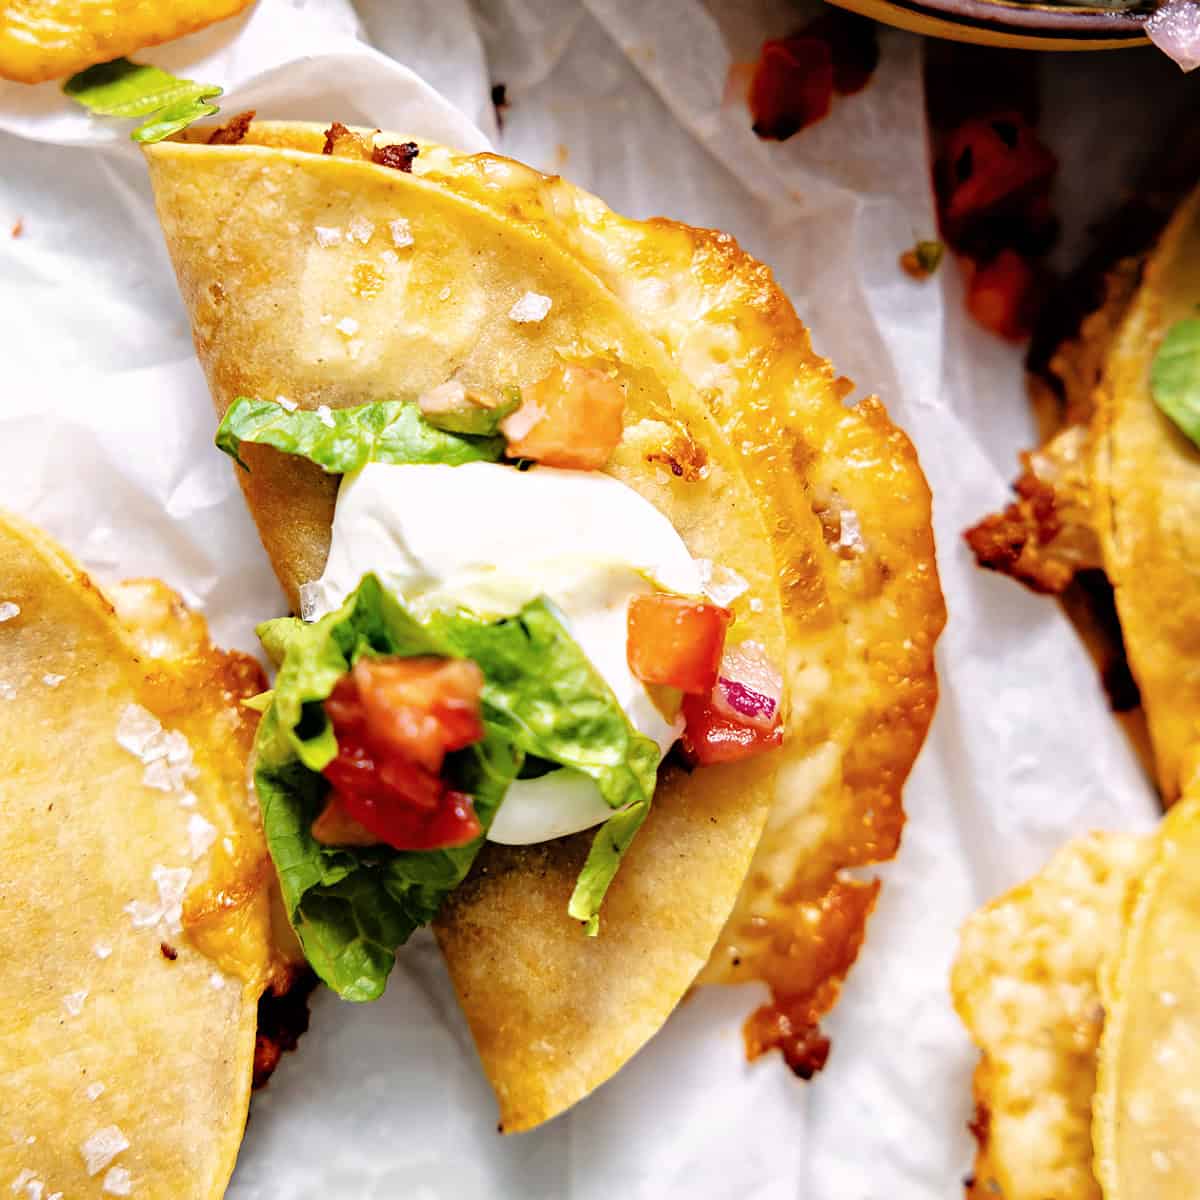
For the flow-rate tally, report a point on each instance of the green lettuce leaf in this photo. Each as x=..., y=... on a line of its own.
x=126, y=89
x=608, y=848
x=387, y=431
x=1175, y=376
x=542, y=699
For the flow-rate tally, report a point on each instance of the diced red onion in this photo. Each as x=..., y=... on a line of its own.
x=746, y=702
x=749, y=687
x=1174, y=28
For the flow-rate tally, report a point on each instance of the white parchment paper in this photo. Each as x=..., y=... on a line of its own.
x=106, y=433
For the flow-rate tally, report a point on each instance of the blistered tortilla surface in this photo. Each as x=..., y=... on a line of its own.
x=1026, y=984
x=105, y=1039
x=50, y=39
x=301, y=281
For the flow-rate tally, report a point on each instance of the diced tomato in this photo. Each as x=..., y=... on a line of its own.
x=395, y=720
x=420, y=708
x=675, y=641
x=1002, y=295
x=792, y=86
x=713, y=736
x=572, y=417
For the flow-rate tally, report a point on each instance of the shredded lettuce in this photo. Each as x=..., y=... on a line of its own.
x=342, y=440
x=352, y=907
x=126, y=89
x=1175, y=377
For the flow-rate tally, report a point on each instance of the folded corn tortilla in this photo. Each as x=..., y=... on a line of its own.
x=135, y=897
x=335, y=280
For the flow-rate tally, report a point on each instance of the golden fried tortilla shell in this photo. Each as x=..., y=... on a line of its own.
x=1026, y=985
x=847, y=509
x=100, y=1029
x=298, y=285
x=1147, y=1106
x=49, y=39
x=1147, y=486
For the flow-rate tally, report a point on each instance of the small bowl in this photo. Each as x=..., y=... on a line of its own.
x=1015, y=23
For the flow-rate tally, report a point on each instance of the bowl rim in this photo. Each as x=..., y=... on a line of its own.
x=1043, y=18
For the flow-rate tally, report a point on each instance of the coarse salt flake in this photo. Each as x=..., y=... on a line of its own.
x=73, y=1002
x=347, y=326
x=531, y=308
x=401, y=232
x=94, y=1091
x=286, y=404
x=136, y=730
x=201, y=835
x=52, y=680
x=360, y=230
x=101, y=949
x=325, y=416
x=721, y=584
x=8, y=610
x=7, y=691
x=444, y=294
x=118, y=1181
x=216, y=981
x=24, y=1176
x=102, y=1147
x=328, y=235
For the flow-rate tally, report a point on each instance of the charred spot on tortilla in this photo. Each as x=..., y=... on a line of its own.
x=233, y=131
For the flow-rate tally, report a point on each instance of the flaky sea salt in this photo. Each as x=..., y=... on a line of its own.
x=102, y=1147
x=328, y=235
x=171, y=883
x=325, y=416
x=7, y=691
x=94, y=1091
x=286, y=404
x=216, y=981
x=531, y=308
x=201, y=835
x=8, y=610
x=101, y=949
x=73, y=1002
x=401, y=232
x=444, y=294
x=360, y=230
x=52, y=680
x=850, y=539
x=137, y=729
x=347, y=326
x=24, y=1177
x=118, y=1181
x=721, y=584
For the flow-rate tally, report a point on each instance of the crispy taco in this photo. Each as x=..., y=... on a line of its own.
x=1080, y=988
x=1116, y=488
x=136, y=914
x=50, y=39
x=616, y=623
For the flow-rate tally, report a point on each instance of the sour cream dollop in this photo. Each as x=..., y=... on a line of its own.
x=491, y=538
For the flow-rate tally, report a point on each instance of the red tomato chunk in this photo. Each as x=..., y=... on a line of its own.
x=571, y=418
x=676, y=642
x=395, y=721
x=713, y=736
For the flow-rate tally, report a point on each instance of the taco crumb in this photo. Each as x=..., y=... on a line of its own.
x=399, y=156
x=345, y=143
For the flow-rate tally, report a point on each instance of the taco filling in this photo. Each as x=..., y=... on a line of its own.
x=499, y=648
